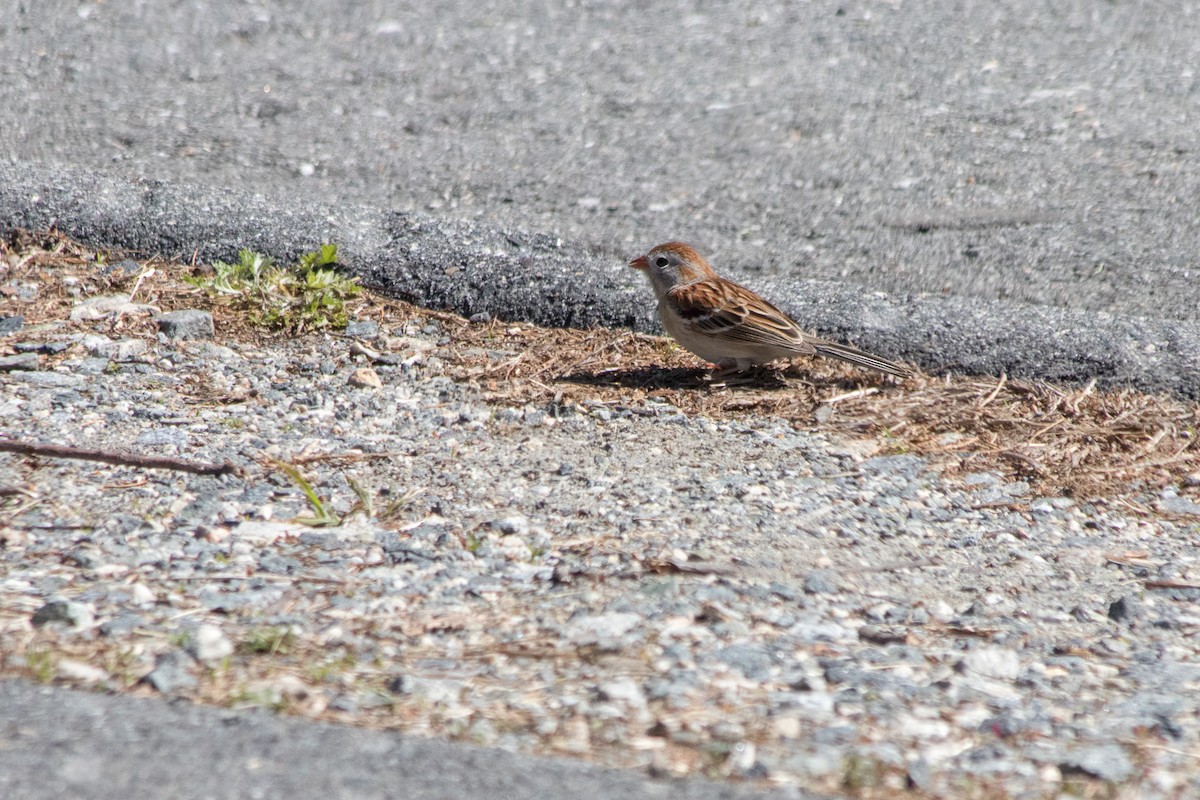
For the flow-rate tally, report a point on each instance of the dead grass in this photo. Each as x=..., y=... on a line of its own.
x=1115, y=446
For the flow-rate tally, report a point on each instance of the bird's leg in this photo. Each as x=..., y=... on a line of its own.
x=729, y=366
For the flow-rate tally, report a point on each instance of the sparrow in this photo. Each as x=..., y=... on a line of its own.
x=728, y=324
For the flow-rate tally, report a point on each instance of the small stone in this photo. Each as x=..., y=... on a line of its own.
x=141, y=595
x=1173, y=504
x=883, y=634
x=11, y=324
x=442, y=692
x=601, y=629
x=512, y=526
x=68, y=612
x=102, y=347
x=904, y=466
x=23, y=361
x=208, y=643
x=363, y=329
x=786, y=727
x=128, y=349
x=162, y=437
x=1108, y=762
x=1123, y=609
x=98, y=346
x=100, y=307
x=43, y=348
x=993, y=662
x=622, y=690
x=366, y=378
x=821, y=581
x=188, y=323
x=919, y=776
x=171, y=672
x=56, y=379
x=78, y=671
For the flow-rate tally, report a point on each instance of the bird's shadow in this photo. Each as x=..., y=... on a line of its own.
x=649, y=378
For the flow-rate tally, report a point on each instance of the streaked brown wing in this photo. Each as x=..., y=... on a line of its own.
x=724, y=309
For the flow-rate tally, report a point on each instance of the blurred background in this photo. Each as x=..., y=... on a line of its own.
x=1043, y=152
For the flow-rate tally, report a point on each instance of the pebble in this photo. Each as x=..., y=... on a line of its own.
x=172, y=672
x=993, y=662
x=362, y=329
x=208, y=643
x=602, y=629
x=22, y=361
x=77, y=615
x=366, y=378
x=186, y=324
x=77, y=671
x=1106, y=762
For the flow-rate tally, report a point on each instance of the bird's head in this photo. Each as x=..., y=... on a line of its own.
x=672, y=264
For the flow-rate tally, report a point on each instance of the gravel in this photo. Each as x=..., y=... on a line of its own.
x=640, y=588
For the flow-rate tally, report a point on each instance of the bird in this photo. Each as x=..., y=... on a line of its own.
x=729, y=325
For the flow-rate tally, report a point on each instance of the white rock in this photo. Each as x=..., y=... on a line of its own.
x=786, y=727
x=78, y=671
x=209, y=643
x=993, y=662
x=140, y=594
x=598, y=628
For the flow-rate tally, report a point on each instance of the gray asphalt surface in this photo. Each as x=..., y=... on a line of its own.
x=1026, y=150
x=65, y=744
x=1021, y=151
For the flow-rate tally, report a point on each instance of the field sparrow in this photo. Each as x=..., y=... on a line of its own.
x=728, y=324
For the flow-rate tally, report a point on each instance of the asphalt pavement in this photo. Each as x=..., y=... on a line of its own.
x=56, y=743
x=1018, y=177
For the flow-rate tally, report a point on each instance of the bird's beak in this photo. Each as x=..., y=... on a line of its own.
x=640, y=263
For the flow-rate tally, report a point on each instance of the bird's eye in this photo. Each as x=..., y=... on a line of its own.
x=661, y=261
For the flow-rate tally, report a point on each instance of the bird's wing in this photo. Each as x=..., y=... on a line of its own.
x=731, y=312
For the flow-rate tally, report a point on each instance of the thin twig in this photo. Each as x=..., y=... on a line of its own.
x=348, y=457
x=1172, y=584
x=854, y=395
x=1024, y=459
x=117, y=457
x=996, y=391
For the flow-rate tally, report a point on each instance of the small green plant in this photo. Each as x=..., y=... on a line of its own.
x=860, y=772
x=258, y=698
x=365, y=500
x=41, y=665
x=322, y=515
x=269, y=641
x=395, y=507
x=309, y=295
x=341, y=666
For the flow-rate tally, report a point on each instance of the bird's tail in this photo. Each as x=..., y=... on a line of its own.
x=845, y=352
